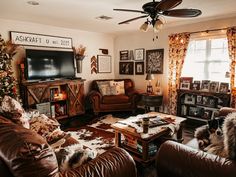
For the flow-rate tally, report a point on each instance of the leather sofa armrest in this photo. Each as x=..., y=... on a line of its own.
x=178, y=160
x=224, y=111
x=115, y=162
x=133, y=94
x=95, y=98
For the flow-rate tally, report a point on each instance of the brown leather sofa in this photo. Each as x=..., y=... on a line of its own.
x=178, y=160
x=109, y=103
x=24, y=153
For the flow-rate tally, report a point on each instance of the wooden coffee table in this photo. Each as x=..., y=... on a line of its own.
x=130, y=128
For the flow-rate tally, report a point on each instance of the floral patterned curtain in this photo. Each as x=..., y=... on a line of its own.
x=231, y=36
x=178, y=44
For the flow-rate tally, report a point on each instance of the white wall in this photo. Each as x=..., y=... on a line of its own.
x=137, y=40
x=92, y=41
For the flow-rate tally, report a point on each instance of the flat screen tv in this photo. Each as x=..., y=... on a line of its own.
x=46, y=64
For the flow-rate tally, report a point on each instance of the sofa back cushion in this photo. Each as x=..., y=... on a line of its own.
x=128, y=83
x=24, y=152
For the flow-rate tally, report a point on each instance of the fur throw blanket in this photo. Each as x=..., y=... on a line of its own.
x=219, y=136
x=73, y=156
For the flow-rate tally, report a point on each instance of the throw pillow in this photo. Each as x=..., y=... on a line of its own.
x=46, y=127
x=104, y=87
x=117, y=88
x=73, y=156
x=13, y=110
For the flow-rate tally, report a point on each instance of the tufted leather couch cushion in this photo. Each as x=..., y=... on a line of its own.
x=25, y=152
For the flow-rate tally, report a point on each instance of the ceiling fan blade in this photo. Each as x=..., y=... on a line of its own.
x=167, y=4
x=182, y=13
x=132, y=19
x=130, y=10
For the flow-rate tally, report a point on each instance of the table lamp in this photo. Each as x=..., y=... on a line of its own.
x=149, y=77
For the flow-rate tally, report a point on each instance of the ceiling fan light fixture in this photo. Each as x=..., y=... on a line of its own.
x=158, y=25
x=144, y=27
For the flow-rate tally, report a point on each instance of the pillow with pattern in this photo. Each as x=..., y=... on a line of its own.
x=117, y=88
x=46, y=127
x=12, y=109
x=104, y=87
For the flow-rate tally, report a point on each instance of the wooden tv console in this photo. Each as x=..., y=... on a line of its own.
x=58, y=98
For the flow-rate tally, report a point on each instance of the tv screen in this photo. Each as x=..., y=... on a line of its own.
x=43, y=64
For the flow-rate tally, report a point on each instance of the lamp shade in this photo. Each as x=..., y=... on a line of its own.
x=158, y=25
x=144, y=27
x=149, y=77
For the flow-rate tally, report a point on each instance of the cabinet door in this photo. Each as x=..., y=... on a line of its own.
x=75, y=98
x=36, y=94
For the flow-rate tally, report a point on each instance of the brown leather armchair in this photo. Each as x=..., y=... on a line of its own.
x=178, y=160
x=109, y=103
x=24, y=153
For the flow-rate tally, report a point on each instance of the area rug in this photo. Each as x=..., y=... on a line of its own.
x=98, y=135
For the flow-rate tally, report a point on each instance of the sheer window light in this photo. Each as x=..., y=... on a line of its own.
x=207, y=58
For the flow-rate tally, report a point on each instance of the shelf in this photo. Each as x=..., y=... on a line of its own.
x=191, y=103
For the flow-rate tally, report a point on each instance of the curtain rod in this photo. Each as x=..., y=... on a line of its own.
x=207, y=31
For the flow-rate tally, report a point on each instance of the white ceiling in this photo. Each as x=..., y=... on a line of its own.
x=81, y=14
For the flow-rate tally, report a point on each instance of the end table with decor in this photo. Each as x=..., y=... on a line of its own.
x=151, y=100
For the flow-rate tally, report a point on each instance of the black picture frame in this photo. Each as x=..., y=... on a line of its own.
x=124, y=55
x=199, y=99
x=139, y=68
x=196, y=85
x=126, y=68
x=154, y=61
x=207, y=114
x=224, y=87
x=195, y=111
x=205, y=85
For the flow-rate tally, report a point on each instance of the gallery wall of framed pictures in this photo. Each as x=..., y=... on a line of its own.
x=138, y=60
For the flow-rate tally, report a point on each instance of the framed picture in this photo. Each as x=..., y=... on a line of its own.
x=214, y=86
x=186, y=79
x=154, y=61
x=126, y=68
x=124, y=55
x=139, y=54
x=209, y=101
x=205, y=100
x=196, y=111
x=189, y=99
x=199, y=99
x=139, y=68
x=104, y=63
x=207, y=114
x=184, y=86
x=196, y=85
x=205, y=85
x=224, y=87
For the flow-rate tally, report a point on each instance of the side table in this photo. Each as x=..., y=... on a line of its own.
x=151, y=101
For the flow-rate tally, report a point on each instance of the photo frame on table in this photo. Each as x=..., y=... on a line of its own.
x=184, y=86
x=104, y=64
x=154, y=61
x=139, y=54
x=214, y=86
x=199, y=99
x=205, y=85
x=126, y=68
x=196, y=85
x=124, y=55
x=195, y=111
x=139, y=68
x=224, y=87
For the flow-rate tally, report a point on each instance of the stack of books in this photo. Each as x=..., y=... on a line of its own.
x=130, y=141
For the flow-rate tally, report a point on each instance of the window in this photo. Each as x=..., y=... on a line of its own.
x=207, y=59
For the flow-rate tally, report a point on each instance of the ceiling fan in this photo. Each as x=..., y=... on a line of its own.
x=155, y=10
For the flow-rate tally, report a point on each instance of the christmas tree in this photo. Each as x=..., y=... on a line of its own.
x=7, y=81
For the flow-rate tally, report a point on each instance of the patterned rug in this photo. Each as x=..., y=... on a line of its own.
x=98, y=135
